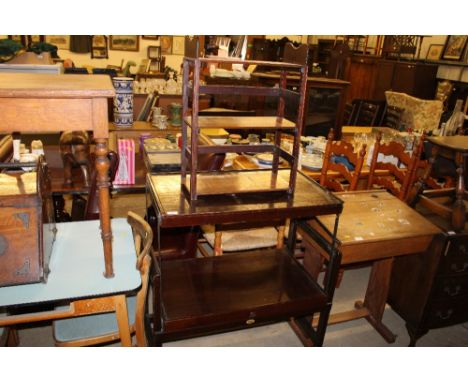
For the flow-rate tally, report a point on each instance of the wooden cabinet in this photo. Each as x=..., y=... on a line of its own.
x=371, y=76
x=430, y=290
x=361, y=73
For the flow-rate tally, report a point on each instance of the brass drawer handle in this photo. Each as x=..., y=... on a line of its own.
x=445, y=316
x=250, y=321
x=455, y=268
x=452, y=292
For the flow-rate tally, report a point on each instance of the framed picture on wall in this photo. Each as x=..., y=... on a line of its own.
x=124, y=42
x=178, y=45
x=434, y=52
x=166, y=44
x=150, y=37
x=99, y=46
x=454, y=47
x=60, y=41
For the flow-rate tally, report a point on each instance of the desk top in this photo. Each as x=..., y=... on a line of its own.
x=34, y=85
x=456, y=143
x=77, y=266
x=381, y=223
x=309, y=200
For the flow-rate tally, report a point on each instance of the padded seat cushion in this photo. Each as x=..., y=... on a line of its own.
x=243, y=239
x=76, y=328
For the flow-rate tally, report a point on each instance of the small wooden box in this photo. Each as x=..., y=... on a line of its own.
x=27, y=227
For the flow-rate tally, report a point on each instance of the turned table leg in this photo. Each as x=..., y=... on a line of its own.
x=103, y=184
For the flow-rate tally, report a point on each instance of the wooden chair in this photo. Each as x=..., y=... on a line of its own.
x=91, y=328
x=341, y=149
x=367, y=114
x=8, y=336
x=88, y=209
x=349, y=114
x=393, y=117
x=401, y=168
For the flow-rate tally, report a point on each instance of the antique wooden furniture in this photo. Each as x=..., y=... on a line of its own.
x=374, y=227
x=334, y=152
x=367, y=113
x=325, y=100
x=88, y=209
x=276, y=124
x=74, y=149
x=371, y=76
x=430, y=290
x=454, y=148
x=102, y=328
x=76, y=274
x=27, y=226
x=49, y=103
x=206, y=295
x=393, y=116
x=401, y=167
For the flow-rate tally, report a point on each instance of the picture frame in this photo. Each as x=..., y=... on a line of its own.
x=150, y=37
x=60, y=41
x=178, y=45
x=99, y=46
x=128, y=43
x=166, y=44
x=454, y=47
x=154, y=52
x=434, y=52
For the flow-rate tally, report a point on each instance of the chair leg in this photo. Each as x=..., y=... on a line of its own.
x=12, y=337
x=218, y=249
x=280, y=238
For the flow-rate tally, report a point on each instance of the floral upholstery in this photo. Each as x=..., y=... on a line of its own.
x=418, y=114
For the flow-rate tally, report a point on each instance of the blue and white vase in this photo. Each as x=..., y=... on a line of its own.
x=123, y=101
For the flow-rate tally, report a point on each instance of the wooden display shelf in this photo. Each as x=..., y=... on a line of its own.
x=240, y=289
x=266, y=123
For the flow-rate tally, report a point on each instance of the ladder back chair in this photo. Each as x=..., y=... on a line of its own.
x=337, y=153
x=99, y=326
x=401, y=167
x=367, y=114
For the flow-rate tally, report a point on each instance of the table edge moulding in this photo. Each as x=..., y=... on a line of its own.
x=192, y=63
x=54, y=103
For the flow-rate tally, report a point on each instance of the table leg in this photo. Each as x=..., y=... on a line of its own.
x=122, y=320
x=102, y=168
x=376, y=297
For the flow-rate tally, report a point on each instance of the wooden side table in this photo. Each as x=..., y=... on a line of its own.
x=51, y=103
x=376, y=227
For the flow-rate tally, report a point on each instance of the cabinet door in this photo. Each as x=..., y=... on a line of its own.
x=404, y=78
x=383, y=79
x=361, y=75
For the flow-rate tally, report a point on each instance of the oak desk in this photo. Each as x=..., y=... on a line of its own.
x=51, y=103
x=375, y=226
x=76, y=277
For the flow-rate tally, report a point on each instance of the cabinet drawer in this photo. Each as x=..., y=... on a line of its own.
x=448, y=312
x=455, y=257
x=454, y=286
